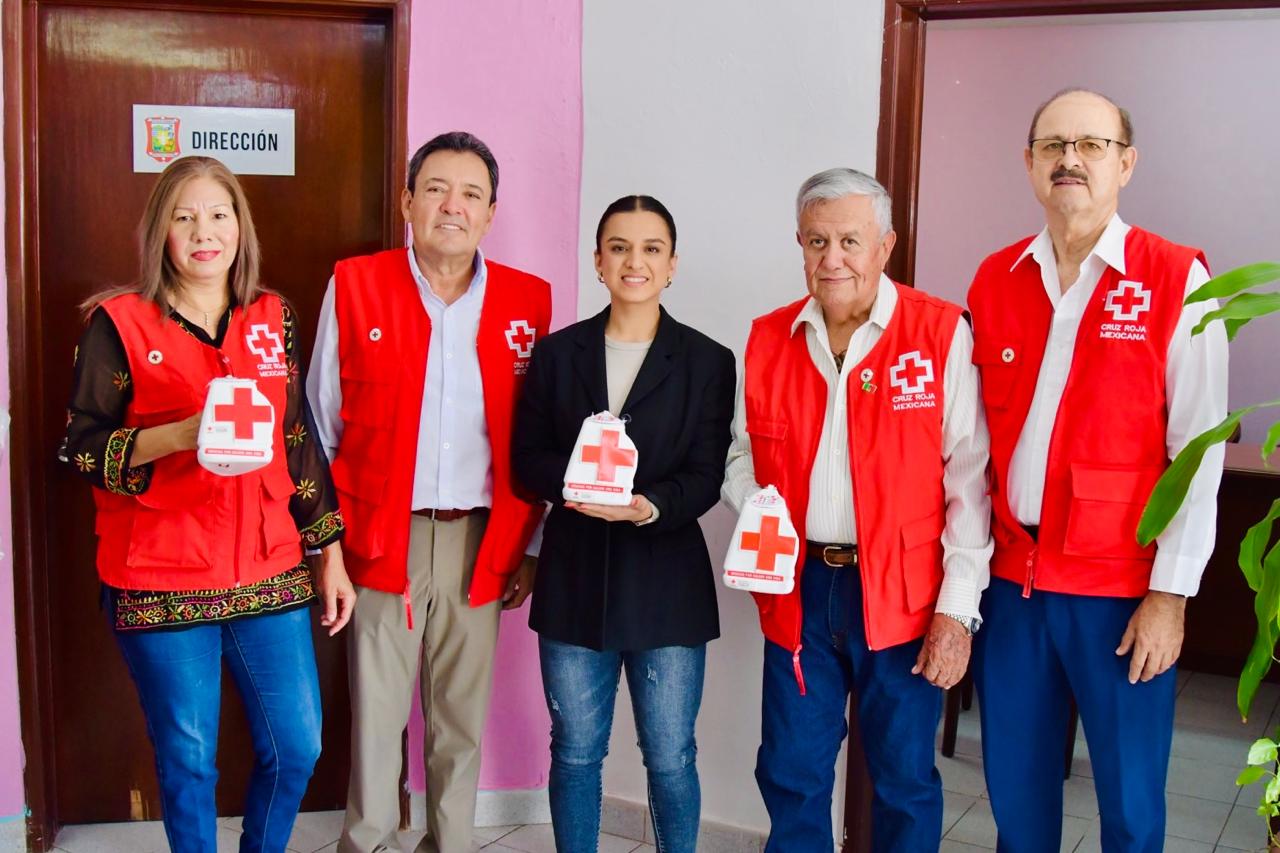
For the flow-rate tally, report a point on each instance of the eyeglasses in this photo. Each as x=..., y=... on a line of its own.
x=1087, y=148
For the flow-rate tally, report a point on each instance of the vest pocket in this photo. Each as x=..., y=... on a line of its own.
x=922, y=560
x=1106, y=505
x=279, y=533
x=998, y=362
x=361, y=485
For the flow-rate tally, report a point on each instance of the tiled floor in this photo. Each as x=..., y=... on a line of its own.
x=1206, y=810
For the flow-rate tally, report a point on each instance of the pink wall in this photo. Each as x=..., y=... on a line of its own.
x=511, y=74
x=12, y=799
x=1200, y=92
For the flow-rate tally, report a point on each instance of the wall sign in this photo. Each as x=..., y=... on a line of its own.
x=249, y=140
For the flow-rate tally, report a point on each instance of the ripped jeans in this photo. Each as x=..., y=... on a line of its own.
x=666, y=692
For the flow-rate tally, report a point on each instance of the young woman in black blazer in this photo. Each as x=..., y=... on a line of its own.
x=628, y=586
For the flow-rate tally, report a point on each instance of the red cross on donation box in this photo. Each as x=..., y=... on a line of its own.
x=608, y=456
x=764, y=548
x=237, y=428
x=241, y=412
x=767, y=543
x=602, y=467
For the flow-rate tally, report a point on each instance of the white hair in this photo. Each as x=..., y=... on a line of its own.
x=838, y=183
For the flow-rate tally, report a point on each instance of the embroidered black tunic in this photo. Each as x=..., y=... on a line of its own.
x=98, y=446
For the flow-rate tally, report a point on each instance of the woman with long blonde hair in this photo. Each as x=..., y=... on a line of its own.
x=200, y=569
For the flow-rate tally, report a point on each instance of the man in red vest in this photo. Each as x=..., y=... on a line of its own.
x=420, y=356
x=1091, y=382
x=860, y=404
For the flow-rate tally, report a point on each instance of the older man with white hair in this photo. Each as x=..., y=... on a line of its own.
x=860, y=404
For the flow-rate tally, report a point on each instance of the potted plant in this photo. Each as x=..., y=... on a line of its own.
x=1259, y=557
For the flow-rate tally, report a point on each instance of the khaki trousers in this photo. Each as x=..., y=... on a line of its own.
x=451, y=647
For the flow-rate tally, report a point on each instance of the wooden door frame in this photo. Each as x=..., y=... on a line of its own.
x=19, y=22
x=902, y=86
x=898, y=169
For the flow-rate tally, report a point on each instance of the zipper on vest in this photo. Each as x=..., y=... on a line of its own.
x=1031, y=571
x=408, y=604
x=795, y=664
x=235, y=563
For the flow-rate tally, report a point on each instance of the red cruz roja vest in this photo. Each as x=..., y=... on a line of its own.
x=384, y=334
x=895, y=454
x=1108, y=444
x=192, y=529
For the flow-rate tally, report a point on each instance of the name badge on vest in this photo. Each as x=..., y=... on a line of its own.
x=912, y=379
x=764, y=548
x=602, y=468
x=237, y=428
x=267, y=346
x=1126, y=305
x=520, y=337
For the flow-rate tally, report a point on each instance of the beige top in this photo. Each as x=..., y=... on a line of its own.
x=622, y=360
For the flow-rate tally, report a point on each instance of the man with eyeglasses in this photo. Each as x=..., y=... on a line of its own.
x=1092, y=383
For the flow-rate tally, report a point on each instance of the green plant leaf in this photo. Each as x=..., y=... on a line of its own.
x=1268, y=809
x=1262, y=751
x=1272, y=792
x=1262, y=653
x=1240, y=310
x=1254, y=545
x=1249, y=775
x=1171, y=489
x=1234, y=281
x=1270, y=442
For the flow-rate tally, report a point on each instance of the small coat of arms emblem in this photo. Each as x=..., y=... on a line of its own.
x=162, y=139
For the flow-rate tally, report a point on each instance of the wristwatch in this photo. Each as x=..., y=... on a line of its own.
x=970, y=623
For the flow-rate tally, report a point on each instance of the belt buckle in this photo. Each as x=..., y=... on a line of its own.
x=826, y=558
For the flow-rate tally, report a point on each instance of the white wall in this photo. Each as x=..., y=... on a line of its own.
x=1200, y=88
x=720, y=109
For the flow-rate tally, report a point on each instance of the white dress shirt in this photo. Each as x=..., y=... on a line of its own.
x=966, y=540
x=1195, y=388
x=453, y=468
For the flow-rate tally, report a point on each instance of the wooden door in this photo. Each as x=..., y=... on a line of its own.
x=336, y=65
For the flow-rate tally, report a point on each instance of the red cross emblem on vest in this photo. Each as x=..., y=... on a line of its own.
x=767, y=544
x=1128, y=301
x=608, y=456
x=264, y=343
x=520, y=338
x=242, y=412
x=911, y=373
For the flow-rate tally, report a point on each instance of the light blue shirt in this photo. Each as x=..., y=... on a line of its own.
x=453, y=468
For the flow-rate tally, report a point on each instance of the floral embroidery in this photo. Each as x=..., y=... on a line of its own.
x=141, y=609
x=120, y=379
x=329, y=525
x=296, y=436
x=306, y=489
x=85, y=462
x=115, y=477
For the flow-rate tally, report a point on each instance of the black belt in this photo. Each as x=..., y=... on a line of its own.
x=832, y=554
x=445, y=514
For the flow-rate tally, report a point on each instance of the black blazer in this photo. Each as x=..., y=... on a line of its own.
x=613, y=585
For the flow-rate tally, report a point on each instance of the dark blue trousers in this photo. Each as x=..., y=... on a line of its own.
x=1032, y=655
x=898, y=714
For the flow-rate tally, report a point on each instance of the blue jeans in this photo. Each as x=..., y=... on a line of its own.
x=1030, y=658
x=898, y=716
x=178, y=674
x=666, y=692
